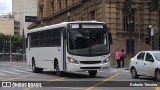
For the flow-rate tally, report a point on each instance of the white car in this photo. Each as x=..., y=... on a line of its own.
x=146, y=63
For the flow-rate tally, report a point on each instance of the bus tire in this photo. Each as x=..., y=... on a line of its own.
x=58, y=73
x=35, y=69
x=92, y=73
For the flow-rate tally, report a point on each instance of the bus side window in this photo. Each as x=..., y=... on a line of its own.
x=56, y=37
x=110, y=37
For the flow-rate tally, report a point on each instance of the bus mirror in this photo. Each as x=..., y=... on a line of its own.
x=110, y=37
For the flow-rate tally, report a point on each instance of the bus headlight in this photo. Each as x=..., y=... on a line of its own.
x=106, y=60
x=71, y=60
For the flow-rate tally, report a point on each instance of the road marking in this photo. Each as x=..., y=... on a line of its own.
x=107, y=79
x=2, y=74
x=8, y=72
x=18, y=77
x=45, y=83
x=27, y=69
x=22, y=71
x=158, y=87
x=7, y=64
x=70, y=88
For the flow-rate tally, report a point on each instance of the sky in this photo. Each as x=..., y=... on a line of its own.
x=5, y=6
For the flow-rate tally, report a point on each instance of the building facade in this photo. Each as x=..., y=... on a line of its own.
x=22, y=8
x=9, y=26
x=109, y=11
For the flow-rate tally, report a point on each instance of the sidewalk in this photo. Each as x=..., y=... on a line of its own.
x=20, y=61
x=126, y=67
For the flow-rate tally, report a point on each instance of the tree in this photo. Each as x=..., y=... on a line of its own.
x=16, y=43
x=154, y=5
x=2, y=42
x=127, y=7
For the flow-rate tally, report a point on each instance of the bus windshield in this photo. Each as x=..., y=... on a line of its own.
x=88, y=42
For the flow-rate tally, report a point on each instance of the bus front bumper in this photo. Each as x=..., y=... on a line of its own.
x=71, y=67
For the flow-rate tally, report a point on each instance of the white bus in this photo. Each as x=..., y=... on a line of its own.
x=70, y=47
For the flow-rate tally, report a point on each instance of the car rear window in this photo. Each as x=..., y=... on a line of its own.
x=157, y=56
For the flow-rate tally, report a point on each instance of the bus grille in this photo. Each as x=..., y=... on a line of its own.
x=90, y=67
x=90, y=62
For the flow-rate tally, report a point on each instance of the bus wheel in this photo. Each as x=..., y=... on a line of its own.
x=35, y=69
x=57, y=70
x=92, y=73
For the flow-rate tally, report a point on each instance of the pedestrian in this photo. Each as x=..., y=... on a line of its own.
x=118, y=56
x=123, y=55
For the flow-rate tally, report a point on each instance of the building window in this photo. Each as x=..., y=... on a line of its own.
x=92, y=15
x=130, y=45
x=41, y=12
x=129, y=23
x=72, y=2
x=66, y=3
x=60, y=5
x=52, y=8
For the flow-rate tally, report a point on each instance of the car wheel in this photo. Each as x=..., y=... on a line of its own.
x=134, y=73
x=92, y=73
x=157, y=75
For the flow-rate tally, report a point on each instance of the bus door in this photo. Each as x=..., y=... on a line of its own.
x=64, y=43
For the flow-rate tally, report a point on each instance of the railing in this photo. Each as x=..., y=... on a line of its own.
x=16, y=57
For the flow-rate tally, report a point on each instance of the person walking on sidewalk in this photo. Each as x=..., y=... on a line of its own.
x=118, y=57
x=123, y=55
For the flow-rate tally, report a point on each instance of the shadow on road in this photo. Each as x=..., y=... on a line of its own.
x=71, y=75
x=146, y=78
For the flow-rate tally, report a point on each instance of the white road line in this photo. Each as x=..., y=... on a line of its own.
x=5, y=64
x=27, y=70
x=2, y=74
x=8, y=72
x=21, y=71
x=112, y=70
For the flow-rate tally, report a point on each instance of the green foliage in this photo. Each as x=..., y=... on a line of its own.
x=154, y=5
x=126, y=62
x=2, y=37
x=16, y=41
x=127, y=7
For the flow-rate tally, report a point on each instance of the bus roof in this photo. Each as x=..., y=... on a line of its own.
x=63, y=24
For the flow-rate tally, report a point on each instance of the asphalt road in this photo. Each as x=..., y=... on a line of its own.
x=114, y=79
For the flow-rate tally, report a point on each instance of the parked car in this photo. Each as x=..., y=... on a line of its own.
x=146, y=63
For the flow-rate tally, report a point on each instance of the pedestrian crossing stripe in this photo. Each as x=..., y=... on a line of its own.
x=10, y=72
x=113, y=70
x=21, y=71
x=13, y=72
x=2, y=74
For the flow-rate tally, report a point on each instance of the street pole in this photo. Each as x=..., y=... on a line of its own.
x=130, y=31
x=159, y=31
x=130, y=36
x=139, y=37
x=23, y=47
x=152, y=38
x=10, y=56
x=68, y=14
